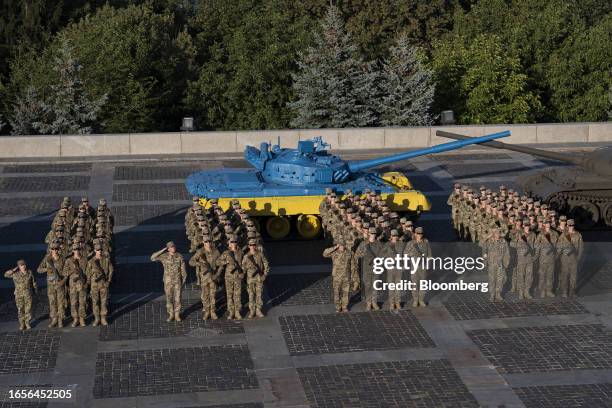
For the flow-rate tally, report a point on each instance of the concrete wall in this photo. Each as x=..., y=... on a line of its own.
x=234, y=142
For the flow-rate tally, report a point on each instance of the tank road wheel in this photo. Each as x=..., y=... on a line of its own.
x=278, y=227
x=309, y=226
x=585, y=214
x=607, y=214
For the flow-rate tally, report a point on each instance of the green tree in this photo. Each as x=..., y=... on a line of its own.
x=27, y=109
x=580, y=74
x=483, y=83
x=334, y=87
x=407, y=87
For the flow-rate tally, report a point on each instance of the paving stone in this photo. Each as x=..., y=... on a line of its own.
x=460, y=171
x=300, y=289
x=468, y=306
x=149, y=214
x=567, y=396
x=24, y=232
x=7, y=401
x=148, y=320
x=28, y=351
x=356, y=331
x=424, y=183
x=542, y=349
x=153, y=172
x=149, y=192
x=137, y=278
x=173, y=371
x=402, y=384
x=249, y=405
x=129, y=243
x=31, y=206
x=22, y=404
x=36, y=184
x=48, y=168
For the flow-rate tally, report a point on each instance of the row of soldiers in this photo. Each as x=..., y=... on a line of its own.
x=522, y=235
x=362, y=229
x=226, y=247
x=78, y=262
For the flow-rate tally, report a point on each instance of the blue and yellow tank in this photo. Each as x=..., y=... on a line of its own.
x=285, y=187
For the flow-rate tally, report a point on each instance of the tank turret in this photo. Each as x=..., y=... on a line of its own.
x=583, y=191
x=287, y=185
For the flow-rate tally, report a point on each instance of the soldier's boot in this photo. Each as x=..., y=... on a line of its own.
x=422, y=303
x=526, y=295
x=230, y=314
x=53, y=322
x=368, y=306
x=170, y=317
x=339, y=308
x=415, y=303
x=258, y=312
x=237, y=315
x=375, y=306
x=82, y=321
x=205, y=315
x=27, y=325
x=177, y=317
x=103, y=321
x=21, y=325
x=398, y=306
x=60, y=322
x=213, y=315
x=96, y=321
x=251, y=314
x=75, y=322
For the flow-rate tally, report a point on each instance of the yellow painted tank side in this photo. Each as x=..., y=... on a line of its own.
x=405, y=199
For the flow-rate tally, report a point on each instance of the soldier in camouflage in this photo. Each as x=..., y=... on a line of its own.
x=545, y=246
x=74, y=270
x=393, y=248
x=25, y=285
x=418, y=247
x=365, y=254
x=231, y=262
x=256, y=267
x=570, y=248
x=205, y=262
x=523, y=243
x=496, y=252
x=341, y=269
x=52, y=265
x=175, y=275
x=99, y=275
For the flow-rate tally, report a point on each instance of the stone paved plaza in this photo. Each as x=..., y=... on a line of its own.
x=461, y=351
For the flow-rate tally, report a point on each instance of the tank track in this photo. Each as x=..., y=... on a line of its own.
x=591, y=209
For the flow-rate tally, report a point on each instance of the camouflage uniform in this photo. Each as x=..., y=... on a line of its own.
x=365, y=254
x=545, y=246
x=341, y=261
x=570, y=248
x=56, y=288
x=231, y=262
x=256, y=268
x=175, y=275
x=418, y=249
x=99, y=275
x=394, y=275
x=524, y=245
x=497, y=255
x=74, y=270
x=24, y=286
x=205, y=262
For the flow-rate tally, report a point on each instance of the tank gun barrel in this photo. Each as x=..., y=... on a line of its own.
x=521, y=149
x=356, y=166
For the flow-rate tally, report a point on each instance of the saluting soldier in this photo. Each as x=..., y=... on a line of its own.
x=570, y=248
x=175, y=275
x=524, y=244
x=341, y=269
x=256, y=266
x=99, y=275
x=24, y=286
x=74, y=270
x=496, y=252
x=231, y=262
x=52, y=265
x=546, y=243
x=416, y=248
x=395, y=247
x=205, y=262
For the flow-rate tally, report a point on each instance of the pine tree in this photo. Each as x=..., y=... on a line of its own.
x=69, y=110
x=407, y=87
x=333, y=86
x=27, y=110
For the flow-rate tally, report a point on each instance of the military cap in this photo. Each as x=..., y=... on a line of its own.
x=349, y=210
x=502, y=188
x=76, y=246
x=366, y=225
x=385, y=223
x=552, y=213
x=228, y=227
x=214, y=200
x=408, y=223
x=97, y=247
x=520, y=220
x=394, y=233
x=380, y=219
x=342, y=206
x=545, y=206
x=206, y=238
x=198, y=210
x=563, y=218
x=516, y=194
x=194, y=199
x=357, y=218
x=367, y=191
x=536, y=204
x=21, y=262
x=403, y=220
x=233, y=239
x=348, y=191
x=328, y=190
x=418, y=230
x=54, y=246
x=482, y=188
x=200, y=217
x=571, y=222
x=539, y=218
x=464, y=188
x=546, y=221
x=496, y=229
x=524, y=198
x=530, y=200
x=102, y=202
x=252, y=242
x=526, y=221
x=372, y=230
x=457, y=186
x=79, y=229
x=170, y=244
x=488, y=191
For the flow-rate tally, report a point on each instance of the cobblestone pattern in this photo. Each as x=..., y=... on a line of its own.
x=149, y=192
x=31, y=206
x=424, y=183
x=567, y=396
x=149, y=214
x=148, y=320
x=542, y=349
x=302, y=289
x=477, y=306
x=144, y=277
x=129, y=243
x=40, y=307
x=22, y=404
x=425, y=383
x=28, y=352
x=48, y=168
x=153, y=172
x=346, y=332
x=6, y=401
x=36, y=184
x=460, y=171
x=249, y=405
x=602, y=279
x=24, y=232
x=173, y=371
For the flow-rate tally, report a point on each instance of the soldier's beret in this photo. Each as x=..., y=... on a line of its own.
x=418, y=230
x=252, y=242
x=571, y=222
x=408, y=223
x=21, y=262
x=372, y=230
x=170, y=244
x=394, y=233
x=563, y=218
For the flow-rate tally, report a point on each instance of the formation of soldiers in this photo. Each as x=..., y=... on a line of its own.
x=520, y=238
x=226, y=247
x=363, y=228
x=78, y=264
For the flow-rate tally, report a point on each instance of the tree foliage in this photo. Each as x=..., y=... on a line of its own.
x=27, y=110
